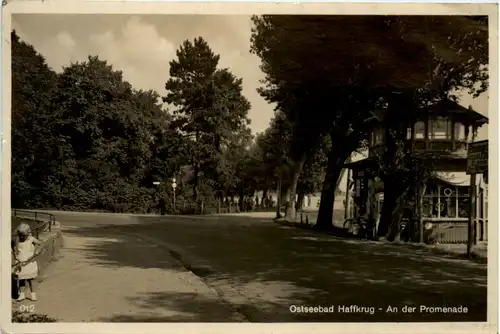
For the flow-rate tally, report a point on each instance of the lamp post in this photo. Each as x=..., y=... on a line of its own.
x=174, y=185
x=156, y=184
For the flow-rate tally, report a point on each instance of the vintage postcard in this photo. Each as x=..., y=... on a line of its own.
x=250, y=167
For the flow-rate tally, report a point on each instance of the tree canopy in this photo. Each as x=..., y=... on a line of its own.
x=360, y=62
x=209, y=110
x=86, y=139
x=32, y=84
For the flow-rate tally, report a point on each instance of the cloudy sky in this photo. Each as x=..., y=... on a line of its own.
x=142, y=46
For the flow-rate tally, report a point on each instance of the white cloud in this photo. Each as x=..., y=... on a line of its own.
x=138, y=50
x=65, y=40
x=143, y=46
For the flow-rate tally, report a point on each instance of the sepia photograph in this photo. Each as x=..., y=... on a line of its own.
x=261, y=168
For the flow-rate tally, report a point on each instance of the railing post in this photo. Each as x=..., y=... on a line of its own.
x=36, y=216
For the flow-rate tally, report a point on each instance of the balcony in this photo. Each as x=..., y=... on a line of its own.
x=446, y=136
x=440, y=145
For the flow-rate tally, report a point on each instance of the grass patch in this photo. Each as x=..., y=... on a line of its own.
x=24, y=317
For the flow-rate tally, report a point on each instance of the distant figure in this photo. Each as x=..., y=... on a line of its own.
x=162, y=205
x=25, y=247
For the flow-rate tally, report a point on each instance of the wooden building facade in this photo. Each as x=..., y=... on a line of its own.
x=444, y=133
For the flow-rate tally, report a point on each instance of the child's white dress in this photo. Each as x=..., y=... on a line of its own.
x=25, y=250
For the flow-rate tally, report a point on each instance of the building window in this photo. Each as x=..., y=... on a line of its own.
x=453, y=202
x=459, y=131
x=462, y=199
x=420, y=130
x=440, y=128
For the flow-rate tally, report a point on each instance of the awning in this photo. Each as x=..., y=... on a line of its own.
x=457, y=178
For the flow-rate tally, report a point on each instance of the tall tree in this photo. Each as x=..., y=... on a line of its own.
x=233, y=165
x=350, y=74
x=208, y=105
x=106, y=130
x=458, y=46
x=313, y=173
x=275, y=163
x=33, y=83
x=274, y=145
x=85, y=139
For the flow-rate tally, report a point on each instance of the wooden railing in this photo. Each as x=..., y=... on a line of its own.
x=429, y=146
x=44, y=221
x=450, y=232
x=456, y=231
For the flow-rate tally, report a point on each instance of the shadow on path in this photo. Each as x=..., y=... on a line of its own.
x=262, y=269
x=189, y=307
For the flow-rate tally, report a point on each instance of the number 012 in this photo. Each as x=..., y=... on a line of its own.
x=27, y=308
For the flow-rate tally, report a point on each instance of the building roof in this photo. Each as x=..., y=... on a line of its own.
x=443, y=108
x=457, y=178
x=447, y=106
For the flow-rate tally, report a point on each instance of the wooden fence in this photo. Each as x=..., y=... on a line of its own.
x=42, y=221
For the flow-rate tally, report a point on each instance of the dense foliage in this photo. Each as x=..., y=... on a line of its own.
x=210, y=112
x=328, y=74
x=86, y=139
x=24, y=317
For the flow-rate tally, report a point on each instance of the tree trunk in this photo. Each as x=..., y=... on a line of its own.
x=394, y=233
x=399, y=167
x=196, y=177
x=264, y=196
x=292, y=189
x=395, y=197
x=300, y=201
x=278, y=199
x=241, y=202
x=336, y=159
x=326, y=205
x=285, y=198
x=195, y=186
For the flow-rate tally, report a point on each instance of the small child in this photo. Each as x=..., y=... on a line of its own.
x=25, y=247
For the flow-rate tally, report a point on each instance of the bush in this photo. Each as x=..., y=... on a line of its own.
x=186, y=211
x=23, y=317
